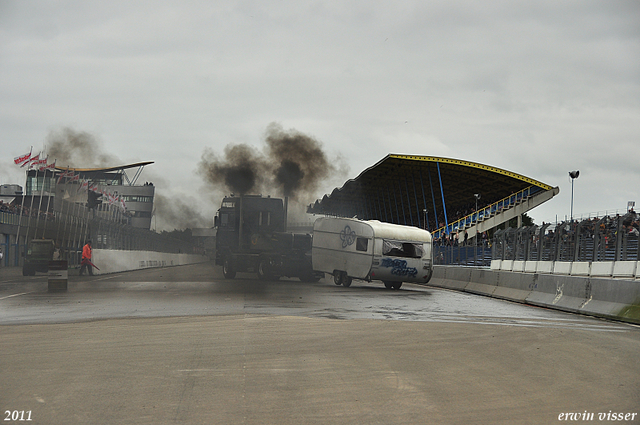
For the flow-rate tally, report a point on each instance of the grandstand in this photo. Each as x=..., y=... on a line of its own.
x=435, y=193
x=114, y=180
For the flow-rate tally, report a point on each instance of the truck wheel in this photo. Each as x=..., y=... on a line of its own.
x=397, y=285
x=25, y=271
x=388, y=285
x=227, y=269
x=263, y=270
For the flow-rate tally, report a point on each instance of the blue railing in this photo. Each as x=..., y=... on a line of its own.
x=488, y=211
x=9, y=218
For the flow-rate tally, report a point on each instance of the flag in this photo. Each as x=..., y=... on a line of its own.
x=40, y=163
x=66, y=174
x=31, y=161
x=49, y=167
x=22, y=159
x=84, y=185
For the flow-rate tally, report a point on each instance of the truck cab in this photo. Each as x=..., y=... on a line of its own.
x=39, y=253
x=251, y=237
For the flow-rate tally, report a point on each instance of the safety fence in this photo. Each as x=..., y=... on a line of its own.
x=610, y=238
x=71, y=225
x=477, y=256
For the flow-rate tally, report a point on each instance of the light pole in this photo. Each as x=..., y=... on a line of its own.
x=426, y=223
x=574, y=175
x=475, y=238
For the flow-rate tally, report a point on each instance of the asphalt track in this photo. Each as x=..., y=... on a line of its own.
x=183, y=345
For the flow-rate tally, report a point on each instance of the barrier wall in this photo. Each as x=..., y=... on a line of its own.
x=603, y=297
x=112, y=261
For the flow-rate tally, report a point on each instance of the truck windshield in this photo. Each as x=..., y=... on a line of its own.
x=40, y=249
x=402, y=249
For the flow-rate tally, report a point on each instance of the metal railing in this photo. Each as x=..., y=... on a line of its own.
x=487, y=212
x=71, y=225
x=609, y=238
x=476, y=256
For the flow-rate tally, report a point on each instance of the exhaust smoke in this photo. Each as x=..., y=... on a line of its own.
x=291, y=164
x=79, y=149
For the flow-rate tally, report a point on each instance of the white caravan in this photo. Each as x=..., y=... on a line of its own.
x=371, y=250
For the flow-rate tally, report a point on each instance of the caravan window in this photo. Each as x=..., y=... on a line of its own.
x=362, y=244
x=402, y=249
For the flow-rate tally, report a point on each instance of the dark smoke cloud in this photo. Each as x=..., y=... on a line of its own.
x=77, y=149
x=242, y=169
x=301, y=163
x=176, y=213
x=293, y=164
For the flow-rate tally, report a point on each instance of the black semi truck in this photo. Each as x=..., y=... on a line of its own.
x=251, y=237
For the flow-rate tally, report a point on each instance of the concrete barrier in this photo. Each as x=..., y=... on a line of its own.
x=544, y=267
x=112, y=261
x=580, y=268
x=507, y=265
x=482, y=282
x=624, y=269
x=518, y=266
x=610, y=298
x=515, y=286
x=496, y=264
x=619, y=299
x=561, y=267
x=562, y=292
x=602, y=269
x=439, y=274
x=530, y=266
x=57, y=276
x=457, y=277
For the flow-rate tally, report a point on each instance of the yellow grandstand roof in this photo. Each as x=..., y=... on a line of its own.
x=104, y=169
x=400, y=187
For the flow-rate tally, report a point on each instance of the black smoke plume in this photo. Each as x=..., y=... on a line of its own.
x=292, y=164
x=77, y=149
x=241, y=169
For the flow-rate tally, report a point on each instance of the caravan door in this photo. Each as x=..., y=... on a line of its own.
x=341, y=244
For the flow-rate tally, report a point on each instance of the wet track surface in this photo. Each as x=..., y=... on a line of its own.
x=182, y=345
x=201, y=290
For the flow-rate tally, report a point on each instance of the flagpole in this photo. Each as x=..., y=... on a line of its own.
x=74, y=225
x=31, y=204
x=62, y=201
x=44, y=176
x=28, y=158
x=48, y=197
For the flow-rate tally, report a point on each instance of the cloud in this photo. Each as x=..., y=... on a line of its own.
x=537, y=88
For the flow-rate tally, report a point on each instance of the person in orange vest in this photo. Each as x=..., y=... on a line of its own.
x=86, y=259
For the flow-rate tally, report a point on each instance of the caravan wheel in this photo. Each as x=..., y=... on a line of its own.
x=388, y=285
x=337, y=277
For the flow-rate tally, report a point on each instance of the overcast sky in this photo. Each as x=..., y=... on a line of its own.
x=539, y=88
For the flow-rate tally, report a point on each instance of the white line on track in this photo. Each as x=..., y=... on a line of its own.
x=16, y=295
